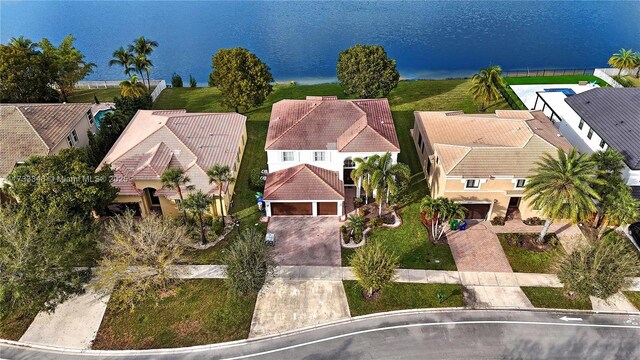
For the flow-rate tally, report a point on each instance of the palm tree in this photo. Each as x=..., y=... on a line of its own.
x=24, y=43
x=357, y=225
x=221, y=175
x=439, y=211
x=174, y=178
x=143, y=47
x=123, y=58
x=486, y=85
x=132, y=87
x=623, y=59
x=620, y=207
x=637, y=56
x=387, y=177
x=361, y=175
x=197, y=203
x=562, y=188
x=140, y=64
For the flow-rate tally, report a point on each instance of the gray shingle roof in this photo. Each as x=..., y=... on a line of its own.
x=614, y=114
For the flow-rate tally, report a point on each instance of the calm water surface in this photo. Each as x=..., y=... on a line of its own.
x=300, y=40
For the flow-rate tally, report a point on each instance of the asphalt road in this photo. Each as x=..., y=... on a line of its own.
x=463, y=334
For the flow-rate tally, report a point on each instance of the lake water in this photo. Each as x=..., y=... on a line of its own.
x=301, y=40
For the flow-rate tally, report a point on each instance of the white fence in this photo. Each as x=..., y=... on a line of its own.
x=606, y=75
x=108, y=84
x=159, y=87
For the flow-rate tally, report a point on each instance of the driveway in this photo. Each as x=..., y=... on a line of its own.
x=284, y=305
x=478, y=249
x=306, y=240
x=74, y=323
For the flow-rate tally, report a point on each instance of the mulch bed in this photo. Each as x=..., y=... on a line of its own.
x=530, y=242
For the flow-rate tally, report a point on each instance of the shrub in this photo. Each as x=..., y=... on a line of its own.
x=498, y=221
x=249, y=262
x=192, y=81
x=534, y=221
x=176, y=80
x=375, y=222
x=623, y=81
x=357, y=202
x=256, y=179
x=357, y=224
x=374, y=268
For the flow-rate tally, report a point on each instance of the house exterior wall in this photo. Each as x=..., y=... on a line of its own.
x=81, y=128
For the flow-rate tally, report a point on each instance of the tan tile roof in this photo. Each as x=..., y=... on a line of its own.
x=304, y=182
x=507, y=143
x=156, y=140
x=320, y=123
x=34, y=129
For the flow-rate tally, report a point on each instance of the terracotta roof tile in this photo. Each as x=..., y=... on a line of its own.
x=304, y=182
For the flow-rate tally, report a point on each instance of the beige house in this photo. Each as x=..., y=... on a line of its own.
x=483, y=160
x=42, y=129
x=156, y=140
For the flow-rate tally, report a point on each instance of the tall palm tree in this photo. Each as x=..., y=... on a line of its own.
x=439, y=211
x=24, y=43
x=562, y=188
x=122, y=57
x=387, y=177
x=222, y=176
x=361, y=175
x=140, y=64
x=486, y=85
x=132, y=87
x=623, y=59
x=174, y=179
x=197, y=203
x=143, y=47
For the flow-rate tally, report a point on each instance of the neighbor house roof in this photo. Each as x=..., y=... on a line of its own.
x=507, y=143
x=614, y=114
x=34, y=129
x=156, y=140
x=304, y=182
x=326, y=123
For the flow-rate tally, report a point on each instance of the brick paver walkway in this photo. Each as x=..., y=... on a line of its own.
x=306, y=240
x=478, y=249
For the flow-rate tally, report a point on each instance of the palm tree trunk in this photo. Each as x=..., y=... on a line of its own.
x=619, y=71
x=596, y=220
x=148, y=80
x=545, y=230
x=221, y=204
x=184, y=211
x=203, y=238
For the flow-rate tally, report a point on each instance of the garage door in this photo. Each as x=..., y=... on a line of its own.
x=476, y=211
x=327, y=208
x=291, y=208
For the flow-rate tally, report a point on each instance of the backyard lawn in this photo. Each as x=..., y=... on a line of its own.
x=553, y=298
x=86, y=95
x=400, y=296
x=566, y=79
x=199, y=312
x=634, y=297
x=528, y=261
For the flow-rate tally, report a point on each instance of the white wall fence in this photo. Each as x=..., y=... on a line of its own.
x=606, y=75
x=159, y=86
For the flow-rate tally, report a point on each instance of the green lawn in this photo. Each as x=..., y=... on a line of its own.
x=523, y=260
x=401, y=296
x=635, y=82
x=200, y=312
x=553, y=298
x=566, y=79
x=86, y=95
x=12, y=327
x=634, y=297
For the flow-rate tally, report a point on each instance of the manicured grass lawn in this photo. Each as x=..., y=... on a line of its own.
x=200, y=312
x=523, y=260
x=553, y=298
x=633, y=80
x=401, y=296
x=566, y=79
x=14, y=326
x=634, y=297
x=86, y=95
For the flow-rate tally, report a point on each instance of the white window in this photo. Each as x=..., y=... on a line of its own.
x=72, y=139
x=90, y=116
x=602, y=144
x=319, y=156
x=287, y=156
x=520, y=183
x=75, y=135
x=472, y=184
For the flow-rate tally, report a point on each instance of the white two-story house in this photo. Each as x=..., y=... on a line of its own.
x=310, y=149
x=598, y=119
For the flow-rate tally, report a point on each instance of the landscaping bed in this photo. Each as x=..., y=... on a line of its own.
x=14, y=326
x=200, y=312
x=401, y=296
x=553, y=298
x=634, y=297
x=525, y=255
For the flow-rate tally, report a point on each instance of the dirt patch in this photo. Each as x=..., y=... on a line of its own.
x=188, y=328
x=530, y=242
x=167, y=293
x=374, y=297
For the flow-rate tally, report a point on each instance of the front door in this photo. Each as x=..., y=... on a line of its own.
x=513, y=210
x=153, y=201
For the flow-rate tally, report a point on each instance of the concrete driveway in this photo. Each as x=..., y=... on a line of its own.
x=284, y=305
x=306, y=240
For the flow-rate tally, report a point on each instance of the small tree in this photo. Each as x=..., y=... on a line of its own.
x=192, y=81
x=222, y=176
x=601, y=269
x=486, y=86
x=367, y=71
x=250, y=262
x=374, y=268
x=623, y=60
x=68, y=64
x=138, y=256
x=357, y=225
x=197, y=204
x=132, y=87
x=243, y=79
x=176, y=81
x=174, y=179
x=439, y=211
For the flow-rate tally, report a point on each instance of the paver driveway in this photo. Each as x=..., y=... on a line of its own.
x=478, y=249
x=306, y=240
